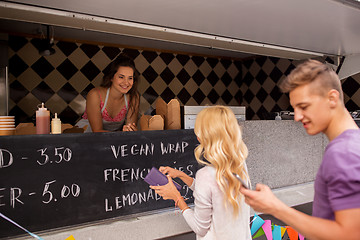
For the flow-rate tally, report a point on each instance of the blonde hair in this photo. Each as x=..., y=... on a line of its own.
x=221, y=146
x=312, y=71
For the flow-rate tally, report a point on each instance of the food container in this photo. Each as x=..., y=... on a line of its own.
x=7, y=131
x=7, y=126
x=7, y=118
x=7, y=123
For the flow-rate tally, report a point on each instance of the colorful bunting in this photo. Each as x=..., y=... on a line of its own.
x=259, y=233
x=293, y=235
x=301, y=237
x=283, y=230
x=272, y=231
x=267, y=229
x=277, y=233
x=257, y=223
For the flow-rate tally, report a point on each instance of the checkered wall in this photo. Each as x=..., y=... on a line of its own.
x=63, y=80
x=261, y=96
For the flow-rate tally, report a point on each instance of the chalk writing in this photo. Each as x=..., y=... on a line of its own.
x=61, y=153
x=173, y=147
x=65, y=192
x=131, y=199
x=135, y=174
x=125, y=175
x=3, y=159
x=48, y=196
x=14, y=196
x=188, y=170
x=141, y=150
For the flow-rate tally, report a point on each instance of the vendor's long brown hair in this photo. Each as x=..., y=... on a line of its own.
x=222, y=147
x=123, y=61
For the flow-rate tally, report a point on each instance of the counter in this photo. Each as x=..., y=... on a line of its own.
x=281, y=155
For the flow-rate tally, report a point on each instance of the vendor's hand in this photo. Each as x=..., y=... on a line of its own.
x=167, y=191
x=262, y=199
x=171, y=172
x=129, y=127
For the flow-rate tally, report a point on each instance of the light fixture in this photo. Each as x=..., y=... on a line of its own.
x=45, y=46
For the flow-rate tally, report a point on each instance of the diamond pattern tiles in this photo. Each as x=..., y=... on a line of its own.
x=67, y=69
x=89, y=50
x=67, y=48
x=266, y=72
x=18, y=91
x=63, y=80
x=90, y=70
x=350, y=86
x=260, y=96
x=43, y=92
x=17, y=66
x=111, y=52
x=42, y=67
x=16, y=43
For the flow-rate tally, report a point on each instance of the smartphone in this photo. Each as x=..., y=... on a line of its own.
x=241, y=181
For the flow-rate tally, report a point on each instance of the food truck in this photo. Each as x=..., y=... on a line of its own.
x=200, y=53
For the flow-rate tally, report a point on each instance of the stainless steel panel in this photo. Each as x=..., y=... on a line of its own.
x=323, y=26
x=190, y=113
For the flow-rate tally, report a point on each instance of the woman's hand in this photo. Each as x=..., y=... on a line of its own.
x=171, y=172
x=177, y=174
x=129, y=127
x=167, y=191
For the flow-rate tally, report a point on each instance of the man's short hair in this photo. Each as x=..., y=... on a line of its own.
x=312, y=71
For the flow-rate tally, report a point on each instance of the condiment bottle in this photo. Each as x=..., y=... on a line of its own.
x=278, y=117
x=42, y=120
x=55, y=125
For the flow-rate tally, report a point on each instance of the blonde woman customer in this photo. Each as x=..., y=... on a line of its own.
x=219, y=208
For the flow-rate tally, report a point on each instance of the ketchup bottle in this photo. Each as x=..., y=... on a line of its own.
x=42, y=120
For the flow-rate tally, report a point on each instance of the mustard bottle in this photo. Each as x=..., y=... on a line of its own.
x=55, y=125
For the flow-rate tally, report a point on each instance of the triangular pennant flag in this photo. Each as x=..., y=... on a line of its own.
x=257, y=223
x=276, y=232
x=283, y=230
x=267, y=229
x=293, y=235
x=259, y=233
x=301, y=237
x=70, y=238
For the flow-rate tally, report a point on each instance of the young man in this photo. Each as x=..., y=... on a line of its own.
x=316, y=96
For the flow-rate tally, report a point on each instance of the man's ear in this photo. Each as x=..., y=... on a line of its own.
x=334, y=98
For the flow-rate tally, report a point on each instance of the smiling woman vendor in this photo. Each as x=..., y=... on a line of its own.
x=114, y=106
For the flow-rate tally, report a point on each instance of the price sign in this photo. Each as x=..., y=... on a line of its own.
x=50, y=181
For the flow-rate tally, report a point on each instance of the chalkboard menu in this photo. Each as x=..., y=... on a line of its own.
x=51, y=181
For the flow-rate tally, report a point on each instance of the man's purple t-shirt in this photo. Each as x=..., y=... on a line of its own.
x=337, y=183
